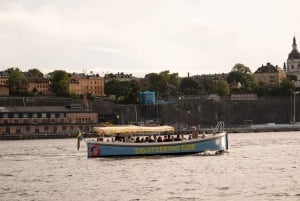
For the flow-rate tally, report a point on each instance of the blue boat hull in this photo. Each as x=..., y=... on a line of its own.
x=218, y=142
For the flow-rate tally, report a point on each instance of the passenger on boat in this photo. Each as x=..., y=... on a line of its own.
x=150, y=139
x=128, y=139
x=190, y=137
x=159, y=139
x=118, y=138
x=137, y=140
x=165, y=139
x=194, y=132
x=177, y=138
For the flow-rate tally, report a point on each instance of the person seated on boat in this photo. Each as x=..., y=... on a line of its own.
x=190, y=137
x=118, y=138
x=172, y=138
x=128, y=139
x=150, y=139
x=137, y=140
x=100, y=139
x=194, y=133
x=154, y=138
x=146, y=139
x=177, y=138
x=165, y=139
x=159, y=139
x=169, y=138
x=142, y=140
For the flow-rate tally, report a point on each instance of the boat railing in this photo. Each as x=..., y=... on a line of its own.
x=219, y=127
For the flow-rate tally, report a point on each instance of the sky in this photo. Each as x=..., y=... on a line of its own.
x=146, y=36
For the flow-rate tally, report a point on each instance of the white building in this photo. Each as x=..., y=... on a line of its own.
x=293, y=63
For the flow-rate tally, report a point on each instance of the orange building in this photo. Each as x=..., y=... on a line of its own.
x=270, y=75
x=38, y=85
x=86, y=84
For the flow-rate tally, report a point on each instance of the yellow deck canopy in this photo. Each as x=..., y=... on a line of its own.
x=132, y=129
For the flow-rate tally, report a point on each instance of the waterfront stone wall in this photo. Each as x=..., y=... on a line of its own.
x=182, y=113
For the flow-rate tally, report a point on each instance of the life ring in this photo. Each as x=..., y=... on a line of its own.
x=94, y=150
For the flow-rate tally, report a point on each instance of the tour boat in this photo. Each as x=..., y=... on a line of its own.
x=119, y=141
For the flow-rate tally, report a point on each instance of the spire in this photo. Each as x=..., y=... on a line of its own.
x=294, y=43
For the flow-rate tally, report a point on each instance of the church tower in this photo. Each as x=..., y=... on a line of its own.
x=293, y=63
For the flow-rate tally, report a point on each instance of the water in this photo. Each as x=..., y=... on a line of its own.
x=259, y=166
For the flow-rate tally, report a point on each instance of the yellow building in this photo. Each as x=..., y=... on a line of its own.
x=86, y=84
x=38, y=85
x=270, y=75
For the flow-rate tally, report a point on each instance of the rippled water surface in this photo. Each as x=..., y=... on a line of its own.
x=259, y=166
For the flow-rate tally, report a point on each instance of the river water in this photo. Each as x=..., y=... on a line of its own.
x=258, y=166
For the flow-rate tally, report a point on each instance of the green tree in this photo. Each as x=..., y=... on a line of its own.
x=241, y=73
x=60, y=82
x=164, y=83
x=222, y=88
x=116, y=88
x=35, y=72
x=207, y=85
x=134, y=88
x=189, y=86
x=17, y=82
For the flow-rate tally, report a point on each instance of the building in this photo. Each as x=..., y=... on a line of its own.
x=38, y=85
x=270, y=75
x=34, y=120
x=86, y=84
x=292, y=66
x=4, y=90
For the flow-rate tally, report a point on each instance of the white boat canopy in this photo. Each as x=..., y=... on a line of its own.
x=132, y=129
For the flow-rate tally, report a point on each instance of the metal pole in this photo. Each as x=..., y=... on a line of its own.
x=294, y=112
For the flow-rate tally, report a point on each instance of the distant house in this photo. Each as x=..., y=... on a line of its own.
x=4, y=90
x=39, y=85
x=270, y=75
x=86, y=84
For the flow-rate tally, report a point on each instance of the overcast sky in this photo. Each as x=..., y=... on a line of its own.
x=145, y=36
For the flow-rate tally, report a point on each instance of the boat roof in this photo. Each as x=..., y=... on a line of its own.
x=131, y=129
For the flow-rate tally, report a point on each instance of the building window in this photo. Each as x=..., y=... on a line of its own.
x=5, y=121
x=25, y=121
x=7, y=129
x=27, y=129
x=5, y=115
x=44, y=121
x=18, y=130
x=61, y=120
x=52, y=120
x=16, y=115
x=36, y=130
x=52, y=115
x=34, y=121
x=44, y=115
x=34, y=115
x=25, y=115
x=54, y=129
x=16, y=121
x=46, y=128
x=61, y=115
x=64, y=128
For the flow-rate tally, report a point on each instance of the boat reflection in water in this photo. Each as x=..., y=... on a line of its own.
x=159, y=140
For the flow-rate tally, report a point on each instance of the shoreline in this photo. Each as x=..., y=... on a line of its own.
x=236, y=130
